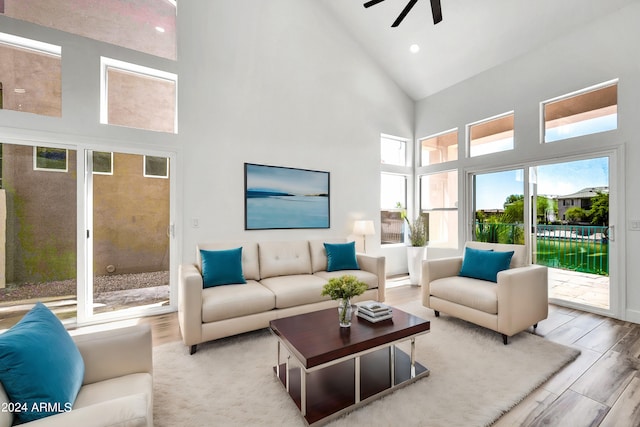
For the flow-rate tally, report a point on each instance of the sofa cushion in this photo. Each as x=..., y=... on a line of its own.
x=226, y=302
x=250, y=266
x=296, y=290
x=284, y=258
x=473, y=293
x=223, y=267
x=40, y=364
x=341, y=256
x=364, y=276
x=484, y=264
x=319, y=253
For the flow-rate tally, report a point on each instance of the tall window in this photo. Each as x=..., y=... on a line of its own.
x=498, y=200
x=491, y=136
x=439, y=201
x=393, y=200
x=589, y=111
x=439, y=148
x=31, y=76
x=138, y=97
x=394, y=178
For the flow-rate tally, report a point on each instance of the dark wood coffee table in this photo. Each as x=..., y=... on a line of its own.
x=338, y=369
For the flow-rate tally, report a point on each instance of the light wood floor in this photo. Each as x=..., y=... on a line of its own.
x=600, y=388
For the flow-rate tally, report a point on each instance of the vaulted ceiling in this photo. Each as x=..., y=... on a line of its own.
x=475, y=35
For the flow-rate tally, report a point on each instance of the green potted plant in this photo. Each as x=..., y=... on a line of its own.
x=344, y=288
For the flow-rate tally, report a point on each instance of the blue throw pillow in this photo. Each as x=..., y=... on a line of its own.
x=484, y=264
x=41, y=367
x=222, y=267
x=341, y=256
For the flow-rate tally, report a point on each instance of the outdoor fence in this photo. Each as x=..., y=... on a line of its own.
x=571, y=247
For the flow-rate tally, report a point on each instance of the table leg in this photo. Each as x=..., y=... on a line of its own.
x=413, y=357
x=357, y=379
x=287, y=372
x=303, y=392
x=392, y=364
x=278, y=362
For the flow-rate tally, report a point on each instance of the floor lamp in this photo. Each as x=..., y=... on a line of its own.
x=364, y=228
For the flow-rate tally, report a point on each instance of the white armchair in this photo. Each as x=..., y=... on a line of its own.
x=518, y=300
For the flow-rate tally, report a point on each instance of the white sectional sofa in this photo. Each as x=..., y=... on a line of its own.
x=282, y=279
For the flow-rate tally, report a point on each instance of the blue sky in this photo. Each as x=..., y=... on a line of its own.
x=294, y=181
x=557, y=179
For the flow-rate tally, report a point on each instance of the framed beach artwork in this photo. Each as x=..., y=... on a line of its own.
x=278, y=197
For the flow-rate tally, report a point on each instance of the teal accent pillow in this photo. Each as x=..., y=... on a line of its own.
x=484, y=264
x=341, y=256
x=41, y=367
x=222, y=267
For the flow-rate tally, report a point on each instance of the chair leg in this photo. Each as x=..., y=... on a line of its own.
x=437, y=313
x=193, y=349
x=505, y=339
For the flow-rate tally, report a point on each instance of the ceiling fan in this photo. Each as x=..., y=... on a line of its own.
x=436, y=10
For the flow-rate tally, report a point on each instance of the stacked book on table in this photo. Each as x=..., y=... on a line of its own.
x=374, y=311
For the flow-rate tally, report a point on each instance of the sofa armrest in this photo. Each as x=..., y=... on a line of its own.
x=115, y=353
x=434, y=269
x=377, y=266
x=129, y=411
x=190, y=304
x=522, y=298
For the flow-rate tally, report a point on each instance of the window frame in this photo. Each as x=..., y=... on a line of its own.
x=395, y=209
x=438, y=135
x=450, y=243
x=107, y=63
x=404, y=141
x=144, y=167
x=593, y=88
x=35, y=160
x=469, y=127
x=110, y=163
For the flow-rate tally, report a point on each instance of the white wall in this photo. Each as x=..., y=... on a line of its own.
x=278, y=82
x=598, y=52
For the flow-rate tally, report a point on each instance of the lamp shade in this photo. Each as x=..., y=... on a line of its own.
x=364, y=228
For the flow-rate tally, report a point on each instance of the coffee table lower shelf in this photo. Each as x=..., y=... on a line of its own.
x=331, y=390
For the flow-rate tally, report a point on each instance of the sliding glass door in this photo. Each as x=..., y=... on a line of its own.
x=562, y=211
x=37, y=230
x=573, y=235
x=129, y=232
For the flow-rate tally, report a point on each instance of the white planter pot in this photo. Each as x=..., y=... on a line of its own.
x=415, y=255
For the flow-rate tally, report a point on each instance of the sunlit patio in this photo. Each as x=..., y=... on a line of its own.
x=580, y=288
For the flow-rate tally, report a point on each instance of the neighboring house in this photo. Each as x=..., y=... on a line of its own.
x=581, y=199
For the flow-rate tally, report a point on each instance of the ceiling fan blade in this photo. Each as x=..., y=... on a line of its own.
x=372, y=3
x=406, y=10
x=436, y=11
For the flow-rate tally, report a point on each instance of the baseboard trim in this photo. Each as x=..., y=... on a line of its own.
x=632, y=316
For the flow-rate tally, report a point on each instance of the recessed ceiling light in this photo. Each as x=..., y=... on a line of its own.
x=414, y=48
x=160, y=29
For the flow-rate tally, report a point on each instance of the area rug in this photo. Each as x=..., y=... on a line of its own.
x=474, y=380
